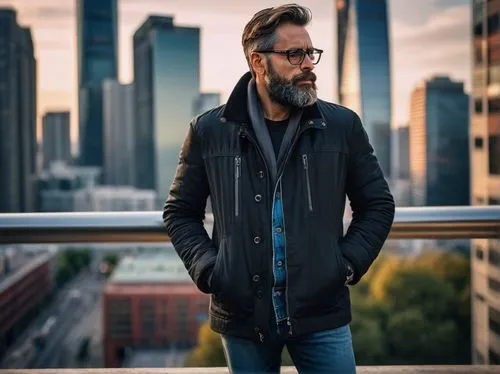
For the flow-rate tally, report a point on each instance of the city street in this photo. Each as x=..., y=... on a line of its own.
x=70, y=309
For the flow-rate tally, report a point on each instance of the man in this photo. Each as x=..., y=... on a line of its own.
x=278, y=164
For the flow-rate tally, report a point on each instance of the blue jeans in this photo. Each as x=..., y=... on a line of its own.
x=328, y=351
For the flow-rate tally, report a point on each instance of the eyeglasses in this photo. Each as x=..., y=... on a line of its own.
x=296, y=56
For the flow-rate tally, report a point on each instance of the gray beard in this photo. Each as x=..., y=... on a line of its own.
x=288, y=94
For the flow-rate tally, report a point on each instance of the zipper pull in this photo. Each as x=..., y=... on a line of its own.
x=289, y=323
x=237, y=161
x=261, y=337
x=304, y=161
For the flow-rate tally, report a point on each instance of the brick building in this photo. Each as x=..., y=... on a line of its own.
x=22, y=290
x=150, y=302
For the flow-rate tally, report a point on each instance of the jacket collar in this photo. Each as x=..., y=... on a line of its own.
x=236, y=108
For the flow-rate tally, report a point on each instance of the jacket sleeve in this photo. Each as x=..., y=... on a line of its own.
x=184, y=212
x=372, y=204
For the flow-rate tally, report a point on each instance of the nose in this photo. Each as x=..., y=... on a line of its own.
x=307, y=64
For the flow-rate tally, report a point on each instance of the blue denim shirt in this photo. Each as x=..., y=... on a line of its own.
x=279, y=263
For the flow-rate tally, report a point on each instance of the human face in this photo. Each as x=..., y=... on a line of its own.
x=287, y=84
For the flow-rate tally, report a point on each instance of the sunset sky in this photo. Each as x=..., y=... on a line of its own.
x=427, y=37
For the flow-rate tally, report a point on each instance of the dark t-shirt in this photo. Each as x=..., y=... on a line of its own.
x=277, y=131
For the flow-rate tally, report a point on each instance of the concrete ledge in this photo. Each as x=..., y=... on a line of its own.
x=473, y=369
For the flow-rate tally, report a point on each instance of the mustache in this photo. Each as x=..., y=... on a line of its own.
x=306, y=76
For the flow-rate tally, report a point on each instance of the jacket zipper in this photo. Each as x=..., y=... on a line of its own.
x=305, y=162
x=237, y=176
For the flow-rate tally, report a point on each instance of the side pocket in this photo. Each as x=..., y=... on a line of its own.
x=216, y=281
x=342, y=271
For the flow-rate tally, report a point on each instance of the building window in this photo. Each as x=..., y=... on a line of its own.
x=494, y=257
x=493, y=24
x=478, y=53
x=119, y=318
x=479, y=254
x=494, y=154
x=494, y=320
x=494, y=105
x=147, y=308
x=494, y=285
x=478, y=143
x=494, y=357
x=478, y=106
x=493, y=201
x=478, y=29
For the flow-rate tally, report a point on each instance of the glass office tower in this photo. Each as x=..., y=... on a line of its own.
x=97, y=60
x=363, y=68
x=167, y=87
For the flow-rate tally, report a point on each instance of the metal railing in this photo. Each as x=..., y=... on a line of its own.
x=461, y=222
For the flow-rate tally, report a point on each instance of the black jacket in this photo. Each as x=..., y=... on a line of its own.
x=330, y=158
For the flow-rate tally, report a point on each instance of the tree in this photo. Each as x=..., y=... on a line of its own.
x=384, y=274
x=412, y=287
x=111, y=259
x=369, y=320
x=413, y=339
x=208, y=352
x=369, y=339
x=423, y=328
x=450, y=267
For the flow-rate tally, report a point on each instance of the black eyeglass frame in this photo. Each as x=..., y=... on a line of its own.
x=288, y=52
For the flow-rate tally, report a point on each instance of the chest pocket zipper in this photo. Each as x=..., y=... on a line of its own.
x=305, y=163
x=237, y=177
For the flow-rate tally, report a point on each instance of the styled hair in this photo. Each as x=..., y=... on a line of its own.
x=259, y=32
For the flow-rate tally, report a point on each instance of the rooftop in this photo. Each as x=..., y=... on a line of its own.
x=21, y=272
x=160, y=267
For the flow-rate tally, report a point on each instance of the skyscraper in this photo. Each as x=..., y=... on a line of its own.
x=167, y=85
x=97, y=60
x=56, y=139
x=363, y=68
x=119, y=133
x=402, y=166
x=205, y=102
x=17, y=115
x=439, y=143
x=485, y=177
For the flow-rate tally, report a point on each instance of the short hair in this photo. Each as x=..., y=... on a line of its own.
x=259, y=32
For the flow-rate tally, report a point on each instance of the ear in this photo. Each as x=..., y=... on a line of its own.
x=257, y=61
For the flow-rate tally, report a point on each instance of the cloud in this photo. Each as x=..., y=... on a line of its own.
x=440, y=44
x=434, y=42
x=54, y=12
x=451, y=22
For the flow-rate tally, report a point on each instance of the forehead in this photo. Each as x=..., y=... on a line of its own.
x=292, y=36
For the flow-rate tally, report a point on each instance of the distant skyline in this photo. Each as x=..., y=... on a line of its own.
x=428, y=37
